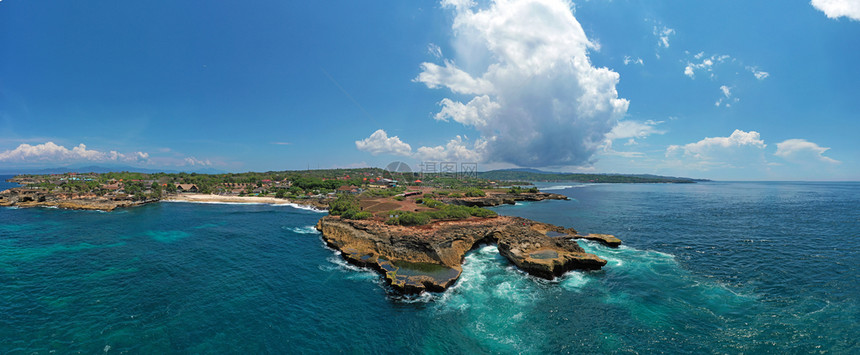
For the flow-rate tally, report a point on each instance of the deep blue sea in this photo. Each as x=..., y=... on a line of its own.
x=718, y=267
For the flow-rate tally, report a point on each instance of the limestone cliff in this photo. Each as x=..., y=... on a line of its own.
x=414, y=259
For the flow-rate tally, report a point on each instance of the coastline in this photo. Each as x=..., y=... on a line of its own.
x=227, y=199
x=24, y=198
x=203, y=198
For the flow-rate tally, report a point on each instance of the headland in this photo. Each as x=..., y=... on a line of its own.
x=413, y=259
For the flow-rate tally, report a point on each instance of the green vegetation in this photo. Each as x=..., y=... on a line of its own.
x=363, y=215
x=475, y=192
x=406, y=218
x=444, y=212
x=344, y=205
x=431, y=203
x=520, y=189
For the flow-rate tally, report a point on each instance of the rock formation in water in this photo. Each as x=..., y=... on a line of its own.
x=414, y=259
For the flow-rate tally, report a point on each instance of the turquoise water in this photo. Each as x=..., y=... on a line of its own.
x=713, y=267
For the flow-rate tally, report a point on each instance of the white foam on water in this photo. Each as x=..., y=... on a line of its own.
x=562, y=187
x=424, y=297
x=353, y=272
x=303, y=230
x=573, y=281
x=301, y=207
x=647, y=273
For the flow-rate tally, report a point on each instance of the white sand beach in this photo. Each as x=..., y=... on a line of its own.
x=229, y=199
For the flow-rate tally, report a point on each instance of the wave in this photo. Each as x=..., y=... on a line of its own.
x=301, y=207
x=562, y=187
x=303, y=230
x=350, y=271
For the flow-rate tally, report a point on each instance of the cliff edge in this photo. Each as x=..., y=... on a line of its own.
x=430, y=257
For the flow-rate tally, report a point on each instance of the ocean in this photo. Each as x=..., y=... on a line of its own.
x=716, y=267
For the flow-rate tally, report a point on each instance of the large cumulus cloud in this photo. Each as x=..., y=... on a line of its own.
x=522, y=77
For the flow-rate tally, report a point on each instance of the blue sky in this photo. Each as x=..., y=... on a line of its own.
x=728, y=90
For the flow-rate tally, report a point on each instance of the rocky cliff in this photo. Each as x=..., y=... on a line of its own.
x=414, y=259
x=24, y=197
x=497, y=199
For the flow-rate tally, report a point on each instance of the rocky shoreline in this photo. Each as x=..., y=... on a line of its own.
x=429, y=258
x=498, y=199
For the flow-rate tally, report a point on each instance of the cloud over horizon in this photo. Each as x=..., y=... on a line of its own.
x=532, y=92
x=52, y=152
x=803, y=151
x=738, y=150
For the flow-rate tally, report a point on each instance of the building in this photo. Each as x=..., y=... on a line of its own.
x=186, y=188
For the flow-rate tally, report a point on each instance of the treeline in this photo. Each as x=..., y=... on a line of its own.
x=283, y=183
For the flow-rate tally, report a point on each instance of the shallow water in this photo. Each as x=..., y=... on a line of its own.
x=712, y=267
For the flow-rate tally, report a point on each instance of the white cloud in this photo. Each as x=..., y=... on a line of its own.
x=707, y=65
x=719, y=149
x=630, y=130
x=458, y=81
x=472, y=114
x=455, y=150
x=663, y=34
x=537, y=100
x=727, y=97
x=634, y=129
x=759, y=74
x=740, y=149
x=628, y=60
x=688, y=71
x=52, y=152
x=380, y=143
x=802, y=151
x=434, y=50
x=197, y=162
x=838, y=8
